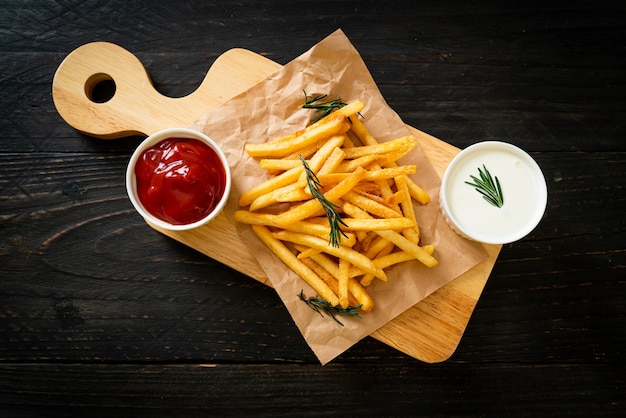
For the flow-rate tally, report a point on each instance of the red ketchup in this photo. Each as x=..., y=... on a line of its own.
x=180, y=180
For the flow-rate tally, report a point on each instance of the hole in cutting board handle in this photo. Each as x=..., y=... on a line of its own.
x=100, y=88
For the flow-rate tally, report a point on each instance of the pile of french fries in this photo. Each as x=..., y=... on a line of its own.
x=372, y=193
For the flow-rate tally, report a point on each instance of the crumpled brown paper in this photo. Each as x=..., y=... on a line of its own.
x=271, y=109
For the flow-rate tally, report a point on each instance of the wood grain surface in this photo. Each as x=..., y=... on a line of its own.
x=429, y=332
x=101, y=315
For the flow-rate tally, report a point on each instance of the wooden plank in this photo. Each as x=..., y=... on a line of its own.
x=105, y=390
x=429, y=331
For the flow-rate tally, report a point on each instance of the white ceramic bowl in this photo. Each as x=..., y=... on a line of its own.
x=151, y=141
x=523, y=187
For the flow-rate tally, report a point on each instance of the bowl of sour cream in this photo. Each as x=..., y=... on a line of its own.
x=493, y=192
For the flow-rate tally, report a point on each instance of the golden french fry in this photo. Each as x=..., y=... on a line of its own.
x=332, y=162
x=429, y=248
x=305, y=152
x=320, y=157
x=321, y=129
x=254, y=218
x=269, y=185
x=410, y=247
x=317, y=229
x=350, y=109
x=393, y=258
x=417, y=192
x=361, y=131
x=308, y=253
x=394, y=199
x=314, y=207
x=329, y=279
x=344, y=269
x=295, y=174
x=370, y=175
x=370, y=205
x=290, y=193
x=373, y=194
x=279, y=164
x=394, y=224
x=368, y=224
x=289, y=258
x=403, y=144
x=360, y=294
x=406, y=206
x=325, y=151
x=347, y=253
x=348, y=166
x=325, y=261
x=400, y=241
x=368, y=187
x=383, y=261
x=378, y=248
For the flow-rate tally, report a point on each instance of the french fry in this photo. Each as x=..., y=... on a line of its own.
x=368, y=187
x=370, y=205
x=289, y=193
x=429, y=248
x=279, y=164
x=289, y=258
x=270, y=185
x=370, y=175
x=378, y=248
x=394, y=199
x=350, y=109
x=332, y=162
x=394, y=224
x=370, y=224
x=321, y=156
x=402, y=145
x=308, y=253
x=351, y=165
x=361, y=182
x=400, y=241
x=417, y=192
x=322, y=129
x=305, y=152
x=406, y=206
x=314, y=207
x=266, y=219
x=331, y=280
x=362, y=296
x=361, y=131
x=344, y=270
x=349, y=254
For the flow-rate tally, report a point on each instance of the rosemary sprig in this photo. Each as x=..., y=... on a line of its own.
x=487, y=187
x=322, y=108
x=330, y=209
x=319, y=305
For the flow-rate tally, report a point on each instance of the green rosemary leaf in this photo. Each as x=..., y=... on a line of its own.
x=320, y=305
x=322, y=108
x=330, y=209
x=489, y=188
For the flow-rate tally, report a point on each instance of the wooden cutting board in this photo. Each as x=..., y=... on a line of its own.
x=429, y=331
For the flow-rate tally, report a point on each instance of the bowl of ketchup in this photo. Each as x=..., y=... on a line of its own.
x=178, y=179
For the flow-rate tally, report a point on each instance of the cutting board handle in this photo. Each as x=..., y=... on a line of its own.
x=135, y=107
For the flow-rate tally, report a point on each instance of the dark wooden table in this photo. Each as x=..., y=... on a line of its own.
x=102, y=316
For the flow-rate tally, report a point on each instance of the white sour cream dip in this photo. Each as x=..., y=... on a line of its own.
x=523, y=186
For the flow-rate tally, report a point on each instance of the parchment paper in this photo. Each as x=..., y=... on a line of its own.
x=271, y=109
